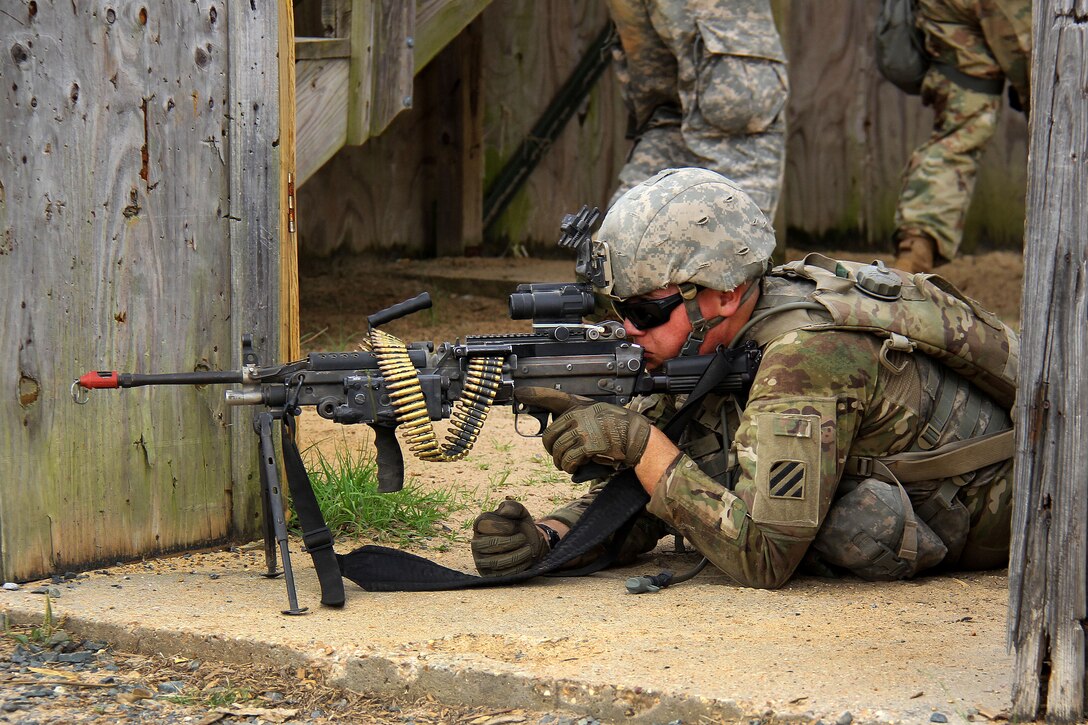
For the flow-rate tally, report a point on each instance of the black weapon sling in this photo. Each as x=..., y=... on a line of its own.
x=316, y=537
x=381, y=569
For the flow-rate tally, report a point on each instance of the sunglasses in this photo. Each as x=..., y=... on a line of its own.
x=647, y=314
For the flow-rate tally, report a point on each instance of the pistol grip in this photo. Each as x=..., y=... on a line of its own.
x=390, y=459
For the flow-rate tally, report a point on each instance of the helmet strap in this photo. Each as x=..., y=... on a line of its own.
x=699, y=326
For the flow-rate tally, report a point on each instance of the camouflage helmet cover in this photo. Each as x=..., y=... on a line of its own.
x=684, y=225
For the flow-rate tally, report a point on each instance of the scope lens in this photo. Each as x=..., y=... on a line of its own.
x=568, y=304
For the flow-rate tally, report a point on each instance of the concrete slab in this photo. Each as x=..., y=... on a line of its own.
x=705, y=650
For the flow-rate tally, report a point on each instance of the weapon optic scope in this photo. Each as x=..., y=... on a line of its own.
x=552, y=303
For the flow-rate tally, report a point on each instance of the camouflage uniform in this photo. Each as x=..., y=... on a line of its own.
x=987, y=39
x=705, y=83
x=821, y=399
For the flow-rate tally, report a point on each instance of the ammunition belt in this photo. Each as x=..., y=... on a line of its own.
x=482, y=379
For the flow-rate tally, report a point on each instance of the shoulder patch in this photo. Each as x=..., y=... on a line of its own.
x=789, y=456
x=787, y=480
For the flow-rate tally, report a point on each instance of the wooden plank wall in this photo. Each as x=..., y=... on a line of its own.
x=850, y=136
x=392, y=194
x=115, y=219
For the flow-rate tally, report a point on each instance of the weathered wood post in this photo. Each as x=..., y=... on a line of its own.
x=1047, y=607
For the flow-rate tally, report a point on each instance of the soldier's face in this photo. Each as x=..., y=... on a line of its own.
x=665, y=341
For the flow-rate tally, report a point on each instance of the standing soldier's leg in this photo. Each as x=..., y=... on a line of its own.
x=657, y=148
x=733, y=86
x=940, y=177
x=646, y=70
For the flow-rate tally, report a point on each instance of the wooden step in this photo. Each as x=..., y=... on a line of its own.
x=349, y=88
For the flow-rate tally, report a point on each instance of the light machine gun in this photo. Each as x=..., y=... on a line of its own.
x=393, y=384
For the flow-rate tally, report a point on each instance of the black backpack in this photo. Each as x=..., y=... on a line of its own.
x=900, y=46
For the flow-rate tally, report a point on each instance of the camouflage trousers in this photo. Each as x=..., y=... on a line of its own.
x=753, y=161
x=988, y=39
x=705, y=83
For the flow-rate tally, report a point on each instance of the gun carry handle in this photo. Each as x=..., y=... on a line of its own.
x=390, y=459
x=419, y=302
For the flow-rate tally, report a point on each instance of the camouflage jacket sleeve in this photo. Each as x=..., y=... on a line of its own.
x=803, y=415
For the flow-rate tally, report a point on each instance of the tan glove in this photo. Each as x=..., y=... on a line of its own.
x=506, y=540
x=583, y=432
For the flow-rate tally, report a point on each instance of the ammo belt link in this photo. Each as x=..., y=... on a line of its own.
x=482, y=379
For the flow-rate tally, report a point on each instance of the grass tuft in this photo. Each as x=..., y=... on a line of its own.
x=346, y=486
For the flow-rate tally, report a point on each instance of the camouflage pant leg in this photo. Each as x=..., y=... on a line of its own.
x=990, y=508
x=644, y=66
x=940, y=177
x=754, y=162
x=658, y=148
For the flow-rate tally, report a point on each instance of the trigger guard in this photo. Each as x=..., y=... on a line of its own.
x=541, y=421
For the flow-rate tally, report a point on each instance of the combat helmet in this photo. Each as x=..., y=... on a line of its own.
x=688, y=227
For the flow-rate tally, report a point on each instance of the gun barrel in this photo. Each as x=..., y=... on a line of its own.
x=207, y=377
x=243, y=397
x=113, y=379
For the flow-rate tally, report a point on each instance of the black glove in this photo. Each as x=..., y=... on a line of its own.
x=599, y=432
x=506, y=540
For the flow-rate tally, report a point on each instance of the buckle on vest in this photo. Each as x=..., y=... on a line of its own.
x=862, y=466
x=930, y=435
x=898, y=343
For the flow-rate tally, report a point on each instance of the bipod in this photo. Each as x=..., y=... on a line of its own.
x=275, y=525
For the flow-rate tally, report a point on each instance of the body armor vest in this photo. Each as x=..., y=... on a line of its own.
x=967, y=373
x=925, y=314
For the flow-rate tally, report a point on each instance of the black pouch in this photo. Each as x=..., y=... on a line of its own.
x=900, y=46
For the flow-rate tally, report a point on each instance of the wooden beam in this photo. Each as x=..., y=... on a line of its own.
x=322, y=48
x=289, y=324
x=440, y=21
x=472, y=139
x=1048, y=593
x=452, y=140
x=360, y=71
x=394, y=24
x=255, y=202
x=321, y=113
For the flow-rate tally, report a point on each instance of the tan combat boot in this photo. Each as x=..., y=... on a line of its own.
x=916, y=254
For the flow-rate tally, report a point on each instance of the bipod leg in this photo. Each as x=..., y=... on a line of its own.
x=271, y=479
x=270, y=558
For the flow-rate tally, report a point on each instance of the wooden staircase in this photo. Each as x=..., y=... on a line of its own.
x=354, y=77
